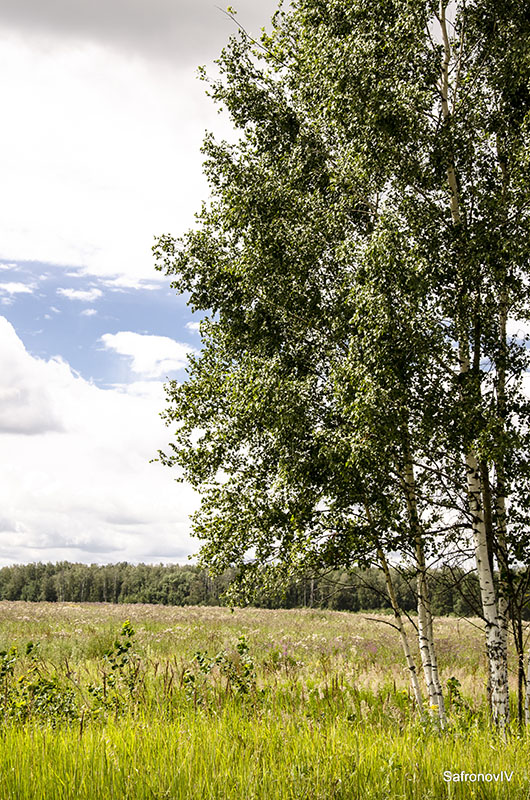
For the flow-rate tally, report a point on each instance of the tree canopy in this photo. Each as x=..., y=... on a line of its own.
x=362, y=264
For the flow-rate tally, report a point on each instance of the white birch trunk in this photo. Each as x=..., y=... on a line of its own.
x=495, y=640
x=423, y=639
x=434, y=664
x=495, y=636
x=502, y=550
x=413, y=673
x=425, y=629
x=503, y=601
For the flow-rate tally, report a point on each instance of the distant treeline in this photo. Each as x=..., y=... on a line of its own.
x=453, y=592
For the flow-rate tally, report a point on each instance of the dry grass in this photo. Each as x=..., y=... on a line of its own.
x=310, y=644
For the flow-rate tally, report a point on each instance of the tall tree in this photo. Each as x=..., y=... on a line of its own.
x=363, y=251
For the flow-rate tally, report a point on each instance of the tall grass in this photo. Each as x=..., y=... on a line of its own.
x=318, y=707
x=231, y=755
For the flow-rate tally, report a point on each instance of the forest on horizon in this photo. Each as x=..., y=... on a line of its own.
x=454, y=592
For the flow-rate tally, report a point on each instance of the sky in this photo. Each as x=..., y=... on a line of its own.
x=102, y=121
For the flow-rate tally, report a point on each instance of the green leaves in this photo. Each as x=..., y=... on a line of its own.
x=342, y=286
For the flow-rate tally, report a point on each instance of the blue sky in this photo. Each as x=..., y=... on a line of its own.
x=103, y=118
x=63, y=312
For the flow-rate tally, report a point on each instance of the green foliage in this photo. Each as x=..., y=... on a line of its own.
x=8, y=660
x=203, y=681
x=37, y=692
x=340, y=291
x=34, y=694
x=118, y=688
x=116, y=583
x=332, y=728
x=452, y=591
x=118, y=655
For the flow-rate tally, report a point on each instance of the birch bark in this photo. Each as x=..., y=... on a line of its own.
x=527, y=696
x=413, y=672
x=495, y=638
x=502, y=545
x=398, y=616
x=425, y=628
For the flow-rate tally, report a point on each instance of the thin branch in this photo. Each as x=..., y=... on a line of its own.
x=384, y=621
x=249, y=37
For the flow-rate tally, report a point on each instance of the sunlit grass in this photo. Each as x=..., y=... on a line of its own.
x=307, y=642
x=325, y=714
x=233, y=755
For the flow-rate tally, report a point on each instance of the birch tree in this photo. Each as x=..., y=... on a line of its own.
x=449, y=158
x=363, y=252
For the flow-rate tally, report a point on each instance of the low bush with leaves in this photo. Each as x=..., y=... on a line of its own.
x=228, y=672
x=34, y=689
x=34, y=693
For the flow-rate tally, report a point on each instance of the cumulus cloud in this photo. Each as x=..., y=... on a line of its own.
x=88, y=312
x=106, y=118
x=151, y=356
x=86, y=296
x=9, y=290
x=16, y=288
x=26, y=406
x=81, y=486
x=152, y=389
x=193, y=326
x=108, y=146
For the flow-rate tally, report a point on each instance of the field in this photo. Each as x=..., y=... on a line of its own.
x=278, y=704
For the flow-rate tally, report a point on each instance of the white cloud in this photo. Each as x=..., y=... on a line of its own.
x=17, y=288
x=151, y=356
x=81, y=487
x=103, y=122
x=123, y=282
x=88, y=312
x=152, y=389
x=86, y=296
x=193, y=326
x=517, y=328
x=101, y=154
x=26, y=406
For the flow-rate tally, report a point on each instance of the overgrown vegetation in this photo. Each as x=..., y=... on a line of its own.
x=203, y=702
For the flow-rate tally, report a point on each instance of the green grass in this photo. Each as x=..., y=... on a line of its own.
x=229, y=755
x=324, y=713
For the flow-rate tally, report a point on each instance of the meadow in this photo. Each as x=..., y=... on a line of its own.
x=203, y=703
